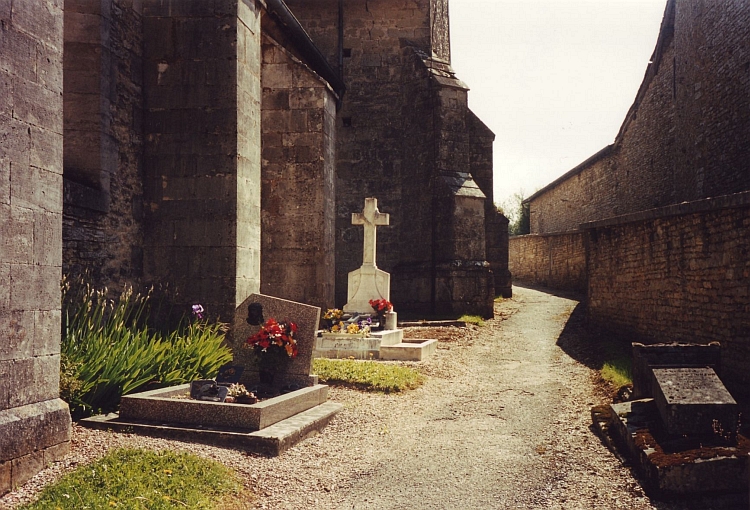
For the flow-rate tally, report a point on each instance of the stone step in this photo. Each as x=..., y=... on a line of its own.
x=388, y=336
x=409, y=350
x=273, y=440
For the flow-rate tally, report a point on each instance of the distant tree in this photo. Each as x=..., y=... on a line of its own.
x=517, y=213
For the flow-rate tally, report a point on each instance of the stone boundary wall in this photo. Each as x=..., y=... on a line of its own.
x=678, y=273
x=552, y=260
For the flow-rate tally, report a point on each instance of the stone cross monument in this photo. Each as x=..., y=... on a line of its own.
x=368, y=282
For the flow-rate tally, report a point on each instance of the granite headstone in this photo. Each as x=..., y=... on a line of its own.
x=248, y=319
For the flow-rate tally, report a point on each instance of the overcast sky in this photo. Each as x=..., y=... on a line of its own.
x=552, y=78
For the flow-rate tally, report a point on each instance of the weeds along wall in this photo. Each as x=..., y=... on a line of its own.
x=556, y=261
x=679, y=273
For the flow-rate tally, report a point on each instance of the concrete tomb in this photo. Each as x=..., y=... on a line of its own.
x=681, y=429
x=270, y=426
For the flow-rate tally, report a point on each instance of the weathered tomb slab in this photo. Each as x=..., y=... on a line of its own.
x=693, y=401
x=664, y=355
x=678, y=467
x=247, y=322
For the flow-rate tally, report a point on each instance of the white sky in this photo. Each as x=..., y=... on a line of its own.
x=552, y=78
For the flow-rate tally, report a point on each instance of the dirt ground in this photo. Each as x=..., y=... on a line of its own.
x=502, y=422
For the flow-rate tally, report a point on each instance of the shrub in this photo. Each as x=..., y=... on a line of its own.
x=108, y=351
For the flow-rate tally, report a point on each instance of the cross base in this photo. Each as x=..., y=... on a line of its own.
x=366, y=283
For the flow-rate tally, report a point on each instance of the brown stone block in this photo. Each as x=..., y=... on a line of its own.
x=37, y=188
x=44, y=20
x=49, y=67
x=17, y=331
x=4, y=289
x=17, y=231
x=24, y=468
x=83, y=27
x=47, y=239
x=14, y=141
x=37, y=105
x=5, y=476
x=275, y=99
x=46, y=151
x=56, y=453
x=47, y=332
x=34, y=287
x=33, y=427
x=4, y=184
x=17, y=53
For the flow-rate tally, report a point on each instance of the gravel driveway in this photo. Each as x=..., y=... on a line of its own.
x=502, y=422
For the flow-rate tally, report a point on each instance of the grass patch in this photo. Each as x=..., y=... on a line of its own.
x=367, y=375
x=142, y=479
x=472, y=319
x=616, y=364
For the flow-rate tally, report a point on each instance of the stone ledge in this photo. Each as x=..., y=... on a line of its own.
x=33, y=427
x=409, y=350
x=736, y=200
x=273, y=440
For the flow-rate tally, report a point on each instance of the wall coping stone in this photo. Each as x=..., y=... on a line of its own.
x=733, y=201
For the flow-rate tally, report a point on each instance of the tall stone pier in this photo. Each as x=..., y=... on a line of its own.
x=34, y=422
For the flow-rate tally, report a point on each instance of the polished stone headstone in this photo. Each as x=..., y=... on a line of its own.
x=249, y=317
x=693, y=401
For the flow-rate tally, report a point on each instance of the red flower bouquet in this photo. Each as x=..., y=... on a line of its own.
x=278, y=337
x=381, y=306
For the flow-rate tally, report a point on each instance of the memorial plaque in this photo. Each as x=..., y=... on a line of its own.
x=693, y=401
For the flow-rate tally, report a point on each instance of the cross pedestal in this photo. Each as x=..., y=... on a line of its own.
x=368, y=282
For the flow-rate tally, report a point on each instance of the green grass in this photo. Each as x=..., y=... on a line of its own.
x=367, y=375
x=142, y=479
x=616, y=363
x=472, y=319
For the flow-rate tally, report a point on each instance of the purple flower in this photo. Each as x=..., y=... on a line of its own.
x=198, y=311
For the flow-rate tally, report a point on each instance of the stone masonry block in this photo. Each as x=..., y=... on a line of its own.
x=16, y=235
x=33, y=427
x=34, y=287
x=44, y=19
x=6, y=92
x=36, y=188
x=4, y=184
x=24, y=468
x=37, y=105
x=14, y=141
x=4, y=289
x=47, y=332
x=47, y=239
x=34, y=380
x=17, y=50
x=17, y=332
x=5, y=477
x=49, y=67
x=83, y=27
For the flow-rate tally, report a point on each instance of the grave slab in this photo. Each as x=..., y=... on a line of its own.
x=678, y=467
x=693, y=401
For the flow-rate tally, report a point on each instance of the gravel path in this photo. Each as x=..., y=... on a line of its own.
x=503, y=422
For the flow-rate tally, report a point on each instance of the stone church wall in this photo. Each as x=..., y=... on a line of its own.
x=202, y=65
x=103, y=143
x=398, y=131
x=298, y=194
x=34, y=422
x=678, y=273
